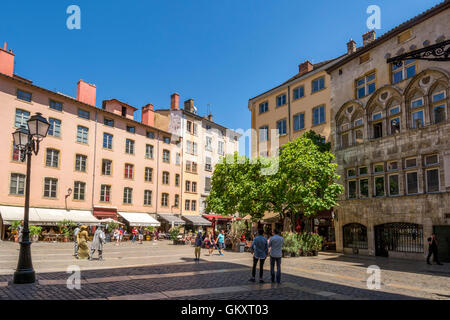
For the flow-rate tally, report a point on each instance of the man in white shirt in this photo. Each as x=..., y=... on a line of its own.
x=276, y=252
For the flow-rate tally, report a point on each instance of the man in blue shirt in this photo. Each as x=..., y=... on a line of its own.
x=221, y=241
x=260, y=249
x=276, y=248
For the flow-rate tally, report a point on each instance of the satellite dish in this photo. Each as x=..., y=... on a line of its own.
x=195, y=109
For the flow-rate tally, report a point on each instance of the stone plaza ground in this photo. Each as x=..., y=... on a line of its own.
x=160, y=271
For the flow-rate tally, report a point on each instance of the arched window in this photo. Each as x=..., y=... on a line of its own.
x=355, y=236
x=376, y=119
x=344, y=131
x=358, y=127
x=438, y=104
x=394, y=113
x=416, y=108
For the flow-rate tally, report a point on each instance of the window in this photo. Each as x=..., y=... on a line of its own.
x=165, y=200
x=124, y=111
x=411, y=163
x=378, y=130
x=344, y=140
x=263, y=107
x=263, y=133
x=150, y=134
x=351, y=173
x=55, y=127
x=378, y=168
x=106, y=167
x=166, y=140
x=299, y=92
x=83, y=114
x=207, y=184
x=394, y=125
x=411, y=183
x=131, y=129
x=318, y=84
x=432, y=180
x=194, y=186
x=22, y=117
x=208, y=145
x=377, y=116
x=416, y=103
x=127, y=195
x=23, y=95
x=80, y=162
x=358, y=122
x=394, y=110
x=82, y=134
x=52, y=158
x=220, y=148
x=318, y=115
x=188, y=147
x=187, y=205
x=188, y=165
x=177, y=158
x=194, y=148
x=148, y=174
x=17, y=185
x=299, y=121
x=282, y=127
x=128, y=171
x=193, y=205
x=194, y=167
x=177, y=201
x=129, y=146
x=417, y=119
x=177, y=180
x=352, y=189
x=50, y=186
x=17, y=153
x=281, y=100
x=188, y=126
x=108, y=122
x=188, y=186
x=439, y=113
x=165, y=177
x=365, y=85
x=359, y=135
x=194, y=129
x=364, y=58
x=105, y=192
x=107, y=141
x=364, y=188
x=149, y=151
x=55, y=105
x=166, y=156
x=406, y=70
x=147, y=197
x=431, y=160
x=394, y=189
x=79, y=189
x=439, y=96
x=363, y=171
x=379, y=186
x=208, y=165
x=393, y=165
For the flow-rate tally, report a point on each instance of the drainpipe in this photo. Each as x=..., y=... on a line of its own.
x=289, y=113
x=95, y=159
x=157, y=170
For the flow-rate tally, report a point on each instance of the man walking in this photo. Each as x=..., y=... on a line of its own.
x=260, y=249
x=75, y=241
x=221, y=241
x=276, y=247
x=97, y=243
x=198, y=246
x=433, y=250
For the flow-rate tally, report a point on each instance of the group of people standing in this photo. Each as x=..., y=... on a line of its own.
x=210, y=243
x=81, y=237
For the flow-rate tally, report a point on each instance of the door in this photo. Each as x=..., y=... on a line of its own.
x=443, y=238
x=381, y=241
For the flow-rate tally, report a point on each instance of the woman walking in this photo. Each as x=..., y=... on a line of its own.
x=117, y=236
x=141, y=235
x=198, y=246
x=210, y=240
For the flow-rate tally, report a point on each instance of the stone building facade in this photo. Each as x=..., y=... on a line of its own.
x=391, y=129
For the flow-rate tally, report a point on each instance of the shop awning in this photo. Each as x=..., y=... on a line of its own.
x=139, y=219
x=46, y=217
x=171, y=218
x=196, y=220
x=271, y=217
x=213, y=217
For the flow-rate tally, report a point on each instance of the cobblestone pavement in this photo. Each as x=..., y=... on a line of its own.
x=160, y=270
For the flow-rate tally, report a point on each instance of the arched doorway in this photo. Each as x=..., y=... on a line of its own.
x=398, y=237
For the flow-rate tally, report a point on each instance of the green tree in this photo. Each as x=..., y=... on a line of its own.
x=303, y=182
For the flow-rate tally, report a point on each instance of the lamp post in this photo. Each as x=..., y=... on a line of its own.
x=27, y=141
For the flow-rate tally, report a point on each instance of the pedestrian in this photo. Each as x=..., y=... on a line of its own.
x=20, y=231
x=198, y=246
x=117, y=236
x=121, y=234
x=221, y=241
x=276, y=247
x=75, y=241
x=260, y=249
x=141, y=235
x=134, y=232
x=210, y=241
x=82, y=238
x=433, y=250
x=97, y=243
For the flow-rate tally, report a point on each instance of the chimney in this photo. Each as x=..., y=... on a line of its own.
x=368, y=37
x=351, y=46
x=210, y=117
x=148, y=115
x=174, y=101
x=189, y=105
x=86, y=92
x=6, y=61
x=304, y=67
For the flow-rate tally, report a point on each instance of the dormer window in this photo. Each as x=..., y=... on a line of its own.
x=124, y=111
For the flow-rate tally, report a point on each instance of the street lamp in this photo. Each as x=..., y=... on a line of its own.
x=27, y=141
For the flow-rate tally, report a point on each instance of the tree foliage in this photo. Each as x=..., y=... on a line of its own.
x=301, y=180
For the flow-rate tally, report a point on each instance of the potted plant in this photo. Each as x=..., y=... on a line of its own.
x=291, y=244
x=316, y=243
x=149, y=231
x=64, y=228
x=174, y=232
x=14, y=230
x=35, y=232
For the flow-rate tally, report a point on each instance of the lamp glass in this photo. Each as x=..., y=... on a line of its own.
x=38, y=126
x=21, y=137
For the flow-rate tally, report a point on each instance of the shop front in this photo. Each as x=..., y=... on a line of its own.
x=324, y=226
x=219, y=223
x=196, y=223
x=169, y=221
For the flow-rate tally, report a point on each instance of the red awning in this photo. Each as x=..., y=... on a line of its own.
x=103, y=213
x=212, y=217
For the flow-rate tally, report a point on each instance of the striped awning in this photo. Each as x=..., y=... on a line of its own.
x=196, y=220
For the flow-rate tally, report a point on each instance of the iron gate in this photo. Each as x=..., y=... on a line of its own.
x=399, y=237
x=355, y=236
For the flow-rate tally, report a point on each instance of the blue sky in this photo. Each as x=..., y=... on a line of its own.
x=217, y=52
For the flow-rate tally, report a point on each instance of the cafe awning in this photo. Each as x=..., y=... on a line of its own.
x=214, y=217
x=196, y=220
x=139, y=219
x=170, y=218
x=46, y=217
